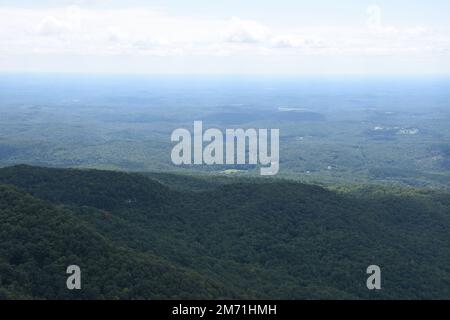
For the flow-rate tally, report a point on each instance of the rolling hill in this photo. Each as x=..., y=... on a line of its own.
x=147, y=237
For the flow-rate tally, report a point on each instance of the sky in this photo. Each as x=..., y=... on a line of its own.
x=226, y=36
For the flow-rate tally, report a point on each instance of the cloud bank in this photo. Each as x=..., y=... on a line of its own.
x=144, y=32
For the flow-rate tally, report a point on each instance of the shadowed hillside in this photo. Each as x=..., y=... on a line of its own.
x=270, y=239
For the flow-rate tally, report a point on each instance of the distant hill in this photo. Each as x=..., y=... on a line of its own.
x=137, y=237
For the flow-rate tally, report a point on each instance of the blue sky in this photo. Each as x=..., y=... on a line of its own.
x=197, y=36
x=404, y=11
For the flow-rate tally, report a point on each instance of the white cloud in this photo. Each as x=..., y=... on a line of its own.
x=288, y=42
x=66, y=21
x=375, y=22
x=374, y=17
x=52, y=26
x=151, y=32
x=298, y=42
x=246, y=31
x=404, y=41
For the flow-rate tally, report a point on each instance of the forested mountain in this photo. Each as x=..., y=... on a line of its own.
x=39, y=240
x=137, y=236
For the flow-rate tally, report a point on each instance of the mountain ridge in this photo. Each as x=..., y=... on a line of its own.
x=268, y=240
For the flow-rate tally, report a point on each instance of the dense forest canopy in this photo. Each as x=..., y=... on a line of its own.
x=165, y=236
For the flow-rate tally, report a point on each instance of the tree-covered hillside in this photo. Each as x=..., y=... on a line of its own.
x=135, y=237
x=38, y=241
